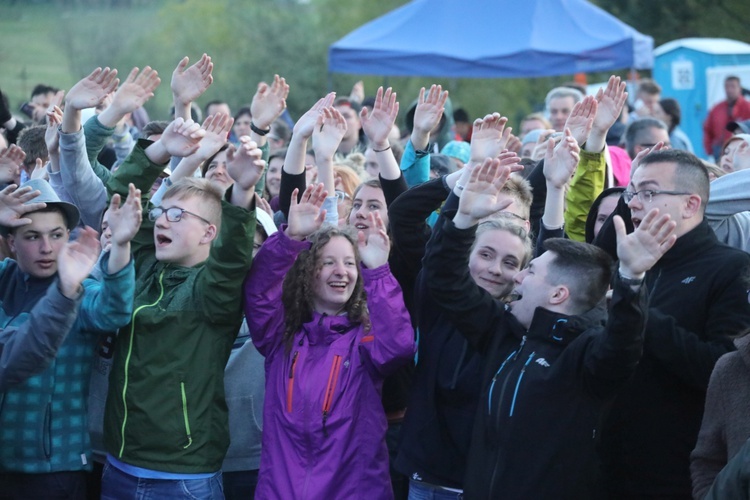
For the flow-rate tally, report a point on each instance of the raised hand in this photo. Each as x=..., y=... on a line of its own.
x=561, y=161
x=182, y=137
x=39, y=172
x=11, y=160
x=329, y=130
x=488, y=137
x=188, y=84
x=378, y=123
x=14, y=204
x=76, y=260
x=91, y=91
x=610, y=101
x=305, y=216
x=358, y=92
x=245, y=165
x=427, y=114
x=262, y=204
x=374, y=248
x=134, y=92
x=641, y=249
x=216, y=128
x=514, y=144
x=482, y=195
x=642, y=153
x=303, y=129
x=540, y=149
x=581, y=119
x=269, y=102
x=51, y=135
x=125, y=218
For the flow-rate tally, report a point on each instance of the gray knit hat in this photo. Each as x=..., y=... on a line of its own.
x=49, y=196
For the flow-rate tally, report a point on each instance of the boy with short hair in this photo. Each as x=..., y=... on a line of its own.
x=166, y=419
x=44, y=442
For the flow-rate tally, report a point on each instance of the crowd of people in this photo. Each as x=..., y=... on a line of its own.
x=238, y=305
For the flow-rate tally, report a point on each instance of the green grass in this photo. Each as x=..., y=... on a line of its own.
x=48, y=44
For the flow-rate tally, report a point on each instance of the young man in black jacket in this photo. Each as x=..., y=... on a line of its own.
x=697, y=302
x=552, y=359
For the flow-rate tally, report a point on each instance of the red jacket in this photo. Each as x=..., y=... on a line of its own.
x=714, y=128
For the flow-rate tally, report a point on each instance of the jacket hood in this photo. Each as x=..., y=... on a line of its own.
x=445, y=135
x=591, y=218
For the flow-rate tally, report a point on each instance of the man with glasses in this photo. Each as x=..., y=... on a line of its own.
x=698, y=301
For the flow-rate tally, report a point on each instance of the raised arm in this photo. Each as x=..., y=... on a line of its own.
x=470, y=308
x=263, y=308
x=216, y=130
x=268, y=103
x=377, y=125
x=30, y=348
x=559, y=165
x=415, y=164
x=390, y=343
x=82, y=185
x=189, y=83
x=124, y=222
x=245, y=165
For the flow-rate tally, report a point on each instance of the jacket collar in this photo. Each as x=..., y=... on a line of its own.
x=561, y=329
x=689, y=244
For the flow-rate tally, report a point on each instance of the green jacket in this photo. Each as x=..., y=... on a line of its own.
x=165, y=409
x=588, y=182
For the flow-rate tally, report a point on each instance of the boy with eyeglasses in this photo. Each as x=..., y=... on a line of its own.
x=166, y=425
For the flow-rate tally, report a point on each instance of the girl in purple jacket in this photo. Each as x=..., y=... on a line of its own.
x=328, y=316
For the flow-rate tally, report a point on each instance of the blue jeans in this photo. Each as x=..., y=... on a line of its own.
x=117, y=485
x=426, y=491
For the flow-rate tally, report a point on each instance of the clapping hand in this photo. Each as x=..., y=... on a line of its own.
x=482, y=196
x=306, y=123
x=641, y=249
x=581, y=119
x=76, y=260
x=125, y=218
x=561, y=161
x=305, y=216
x=91, y=91
x=488, y=137
x=245, y=165
x=188, y=84
x=375, y=247
x=269, y=102
x=378, y=123
x=329, y=130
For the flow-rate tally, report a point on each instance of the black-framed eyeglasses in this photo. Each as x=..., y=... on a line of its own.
x=647, y=195
x=174, y=214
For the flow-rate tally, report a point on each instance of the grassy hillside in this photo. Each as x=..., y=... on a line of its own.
x=53, y=45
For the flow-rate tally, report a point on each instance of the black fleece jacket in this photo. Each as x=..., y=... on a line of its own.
x=698, y=300
x=543, y=390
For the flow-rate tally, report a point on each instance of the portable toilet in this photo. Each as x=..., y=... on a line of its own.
x=692, y=71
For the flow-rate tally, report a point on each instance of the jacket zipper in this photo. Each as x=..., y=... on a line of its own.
x=127, y=362
x=185, y=416
x=518, y=383
x=494, y=379
x=333, y=377
x=290, y=383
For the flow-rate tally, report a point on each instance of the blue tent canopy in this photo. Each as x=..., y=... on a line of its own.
x=491, y=39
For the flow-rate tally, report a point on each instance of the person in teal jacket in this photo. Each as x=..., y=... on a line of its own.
x=44, y=443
